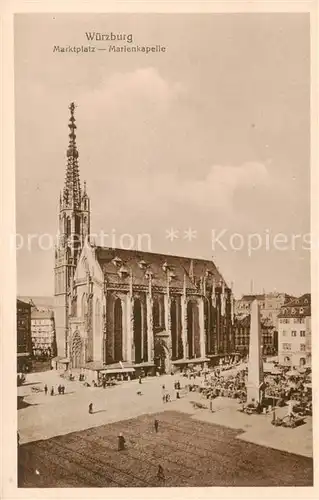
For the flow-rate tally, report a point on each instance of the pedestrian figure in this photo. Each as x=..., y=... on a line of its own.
x=140, y=379
x=160, y=473
x=290, y=411
x=45, y=389
x=62, y=389
x=211, y=405
x=156, y=425
x=91, y=408
x=52, y=391
x=121, y=442
x=59, y=388
x=164, y=398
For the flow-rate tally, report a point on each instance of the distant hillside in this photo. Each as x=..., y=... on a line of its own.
x=45, y=302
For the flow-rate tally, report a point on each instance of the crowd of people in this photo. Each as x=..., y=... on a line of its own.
x=216, y=382
x=278, y=388
x=285, y=386
x=280, y=385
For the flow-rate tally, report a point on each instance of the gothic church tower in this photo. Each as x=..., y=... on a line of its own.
x=74, y=229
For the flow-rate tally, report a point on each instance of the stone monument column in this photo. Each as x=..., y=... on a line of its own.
x=255, y=361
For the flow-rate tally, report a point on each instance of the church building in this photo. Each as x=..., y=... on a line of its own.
x=133, y=308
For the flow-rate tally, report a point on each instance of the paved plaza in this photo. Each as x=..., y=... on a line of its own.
x=230, y=448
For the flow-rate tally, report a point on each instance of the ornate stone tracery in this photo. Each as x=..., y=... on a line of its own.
x=76, y=350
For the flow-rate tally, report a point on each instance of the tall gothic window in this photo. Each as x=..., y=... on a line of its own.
x=193, y=334
x=174, y=329
x=158, y=313
x=118, y=331
x=138, y=331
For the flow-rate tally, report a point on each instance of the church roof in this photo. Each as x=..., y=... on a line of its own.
x=160, y=266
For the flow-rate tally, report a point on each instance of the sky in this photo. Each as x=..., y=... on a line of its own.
x=212, y=136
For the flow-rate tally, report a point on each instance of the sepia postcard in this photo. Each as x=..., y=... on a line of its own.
x=160, y=229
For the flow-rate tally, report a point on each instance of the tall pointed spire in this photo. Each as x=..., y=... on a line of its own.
x=72, y=188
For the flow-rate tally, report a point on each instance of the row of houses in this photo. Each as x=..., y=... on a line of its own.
x=285, y=323
x=286, y=326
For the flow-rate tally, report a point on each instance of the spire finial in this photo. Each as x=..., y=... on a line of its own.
x=72, y=189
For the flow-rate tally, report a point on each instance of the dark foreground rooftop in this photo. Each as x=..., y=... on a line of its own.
x=191, y=452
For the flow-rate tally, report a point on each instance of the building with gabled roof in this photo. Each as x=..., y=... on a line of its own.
x=115, y=305
x=294, y=332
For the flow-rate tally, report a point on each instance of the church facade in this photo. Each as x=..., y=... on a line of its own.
x=146, y=309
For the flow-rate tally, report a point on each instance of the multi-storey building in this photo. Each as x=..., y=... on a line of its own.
x=43, y=333
x=270, y=305
x=242, y=306
x=295, y=332
x=24, y=343
x=115, y=305
x=242, y=336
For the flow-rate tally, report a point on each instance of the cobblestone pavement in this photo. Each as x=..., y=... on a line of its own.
x=191, y=454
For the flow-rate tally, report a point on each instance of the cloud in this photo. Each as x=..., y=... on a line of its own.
x=215, y=191
x=128, y=95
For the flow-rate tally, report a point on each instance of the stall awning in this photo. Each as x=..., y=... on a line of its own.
x=116, y=371
x=60, y=359
x=145, y=364
x=190, y=361
x=268, y=367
